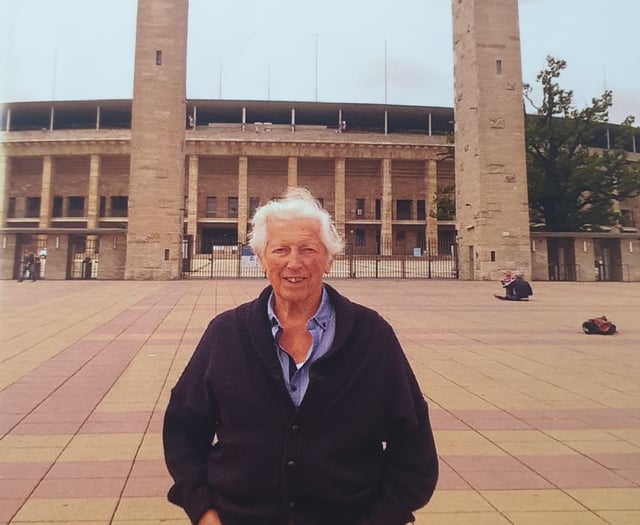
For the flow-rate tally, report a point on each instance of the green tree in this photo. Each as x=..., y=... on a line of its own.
x=572, y=186
x=444, y=203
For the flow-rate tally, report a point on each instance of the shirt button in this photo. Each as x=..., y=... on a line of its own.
x=292, y=505
x=294, y=388
x=291, y=465
x=295, y=429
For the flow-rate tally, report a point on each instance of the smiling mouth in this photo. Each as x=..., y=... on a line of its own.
x=294, y=280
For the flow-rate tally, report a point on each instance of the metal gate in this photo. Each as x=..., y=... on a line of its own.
x=236, y=261
x=239, y=262
x=608, y=260
x=83, y=257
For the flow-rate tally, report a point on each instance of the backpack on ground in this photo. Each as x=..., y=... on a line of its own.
x=599, y=325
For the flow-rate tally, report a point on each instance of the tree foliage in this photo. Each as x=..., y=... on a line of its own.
x=444, y=203
x=572, y=186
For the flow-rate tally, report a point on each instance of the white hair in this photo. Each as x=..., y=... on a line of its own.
x=296, y=203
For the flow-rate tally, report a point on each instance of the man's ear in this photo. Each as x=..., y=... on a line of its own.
x=329, y=264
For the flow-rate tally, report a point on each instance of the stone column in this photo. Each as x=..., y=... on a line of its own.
x=386, y=227
x=92, y=205
x=431, y=192
x=340, y=204
x=92, y=201
x=243, y=198
x=292, y=172
x=45, y=192
x=192, y=212
x=4, y=162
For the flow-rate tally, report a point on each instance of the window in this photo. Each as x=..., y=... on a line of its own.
x=378, y=209
x=499, y=67
x=628, y=220
x=232, y=206
x=119, y=206
x=360, y=237
x=254, y=203
x=158, y=58
x=103, y=207
x=76, y=207
x=403, y=209
x=210, y=210
x=57, y=206
x=11, y=211
x=360, y=208
x=422, y=211
x=400, y=237
x=33, y=208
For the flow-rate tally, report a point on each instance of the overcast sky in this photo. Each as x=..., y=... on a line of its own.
x=271, y=50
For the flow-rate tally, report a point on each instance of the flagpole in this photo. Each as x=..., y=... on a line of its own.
x=316, y=67
x=385, y=70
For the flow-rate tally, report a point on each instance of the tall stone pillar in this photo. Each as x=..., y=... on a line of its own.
x=292, y=172
x=430, y=194
x=92, y=203
x=386, y=227
x=491, y=180
x=340, y=198
x=192, y=212
x=156, y=179
x=243, y=198
x=45, y=192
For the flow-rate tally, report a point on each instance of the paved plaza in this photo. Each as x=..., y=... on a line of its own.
x=536, y=423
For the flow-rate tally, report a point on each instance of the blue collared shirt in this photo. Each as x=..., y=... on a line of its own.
x=322, y=327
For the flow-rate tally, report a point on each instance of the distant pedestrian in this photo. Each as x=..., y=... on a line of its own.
x=28, y=267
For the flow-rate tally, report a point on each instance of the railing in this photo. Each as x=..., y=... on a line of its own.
x=237, y=262
x=563, y=272
x=612, y=272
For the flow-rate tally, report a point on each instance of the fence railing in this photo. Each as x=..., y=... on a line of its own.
x=563, y=272
x=237, y=262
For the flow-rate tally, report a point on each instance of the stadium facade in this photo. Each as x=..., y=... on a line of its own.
x=139, y=189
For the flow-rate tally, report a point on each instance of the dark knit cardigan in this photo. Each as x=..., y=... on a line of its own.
x=358, y=450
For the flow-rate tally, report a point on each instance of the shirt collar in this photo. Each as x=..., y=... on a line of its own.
x=322, y=317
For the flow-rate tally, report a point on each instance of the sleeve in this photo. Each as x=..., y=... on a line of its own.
x=190, y=424
x=411, y=463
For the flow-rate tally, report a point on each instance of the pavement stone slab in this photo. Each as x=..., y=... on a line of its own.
x=535, y=422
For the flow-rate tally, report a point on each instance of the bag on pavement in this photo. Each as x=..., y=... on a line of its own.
x=599, y=325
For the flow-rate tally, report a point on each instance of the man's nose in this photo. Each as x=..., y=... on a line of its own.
x=293, y=260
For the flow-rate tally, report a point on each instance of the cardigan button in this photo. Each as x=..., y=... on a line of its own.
x=295, y=428
x=291, y=465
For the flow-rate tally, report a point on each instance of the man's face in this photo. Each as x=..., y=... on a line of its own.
x=295, y=260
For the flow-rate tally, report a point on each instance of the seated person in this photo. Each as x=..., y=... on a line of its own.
x=516, y=289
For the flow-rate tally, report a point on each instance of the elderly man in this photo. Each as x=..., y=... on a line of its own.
x=299, y=407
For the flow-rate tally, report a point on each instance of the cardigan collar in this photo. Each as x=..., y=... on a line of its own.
x=256, y=326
